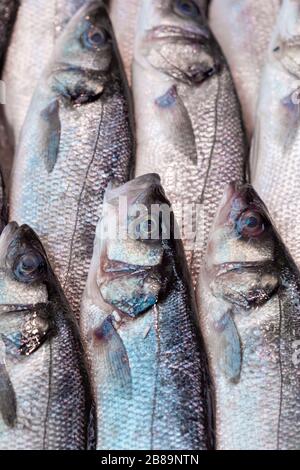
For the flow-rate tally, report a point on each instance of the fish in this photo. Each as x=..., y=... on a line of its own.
x=8, y=13
x=188, y=118
x=244, y=29
x=77, y=137
x=149, y=367
x=123, y=15
x=45, y=391
x=38, y=25
x=248, y=297
x=274, y=159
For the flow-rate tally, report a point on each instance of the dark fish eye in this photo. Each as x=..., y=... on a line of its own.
x=95, y=37
x=29, y=267
x=186, y=8
x=251, y=224
x=147, y=228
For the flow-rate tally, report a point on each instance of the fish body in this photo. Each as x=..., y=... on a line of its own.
x=274, y=161
x=138, y=318
x=248, y=296
x=39, y=23
x=188, y=117
x=123, y=14
x=45, y=394
x=244, y=28
x=77, y=137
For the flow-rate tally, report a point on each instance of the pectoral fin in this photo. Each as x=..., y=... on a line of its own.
x=112, y=351
x=51, y=131
x=229, y=348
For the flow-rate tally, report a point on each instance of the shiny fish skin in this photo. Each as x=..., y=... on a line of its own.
x=39, y=23
x=77, y=137
x=45, y=397
x=188, y=118
x=244, y=29
x=123, y=15
x=249, y=301
x=275, y=168
x=138, y=319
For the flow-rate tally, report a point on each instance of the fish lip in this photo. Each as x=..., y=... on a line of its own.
x=172, y=32
x=65, y=67
x=227, y=267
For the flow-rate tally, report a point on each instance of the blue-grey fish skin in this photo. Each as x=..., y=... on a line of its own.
x=77, y=137
x=45, y=393
x=249, y=303
x=138, y=318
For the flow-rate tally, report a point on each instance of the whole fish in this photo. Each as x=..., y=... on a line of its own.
x=244, y=29
x=188, y=117
x=38, y=25
x=275, y=161
x=77, y=137
x=123, y=14
x=249, y=299
x=138, y=319
x=45, y=395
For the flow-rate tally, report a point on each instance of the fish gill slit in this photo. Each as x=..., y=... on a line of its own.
x=157, y=328
x=49, y=397
x=281, y=381
x=80, y=200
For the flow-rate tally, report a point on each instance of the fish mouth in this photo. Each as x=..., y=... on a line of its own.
x=235, y=266
x=176, y=32
x=115, y=270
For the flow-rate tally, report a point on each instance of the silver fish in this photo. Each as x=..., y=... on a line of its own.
x=244, y=29
x=123, y=14
x=45, y=394
x=249, y=302
x=138, y=318
x=275, y=155
x=77, y=137
x=188, y=118
x=39, y=24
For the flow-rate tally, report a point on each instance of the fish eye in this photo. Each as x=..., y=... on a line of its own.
x=186, y=8
x=29, y=267
x=148, y=229
x=251, y=224
x=95, y=37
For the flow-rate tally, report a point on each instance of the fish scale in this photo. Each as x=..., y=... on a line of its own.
x=188, y=117
x=96, y=146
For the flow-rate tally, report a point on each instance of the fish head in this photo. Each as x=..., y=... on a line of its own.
x=127, y=267
x=26, y=315
x=243, y=250
x=86, y=56
x=173, y=37
x=23, y=266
